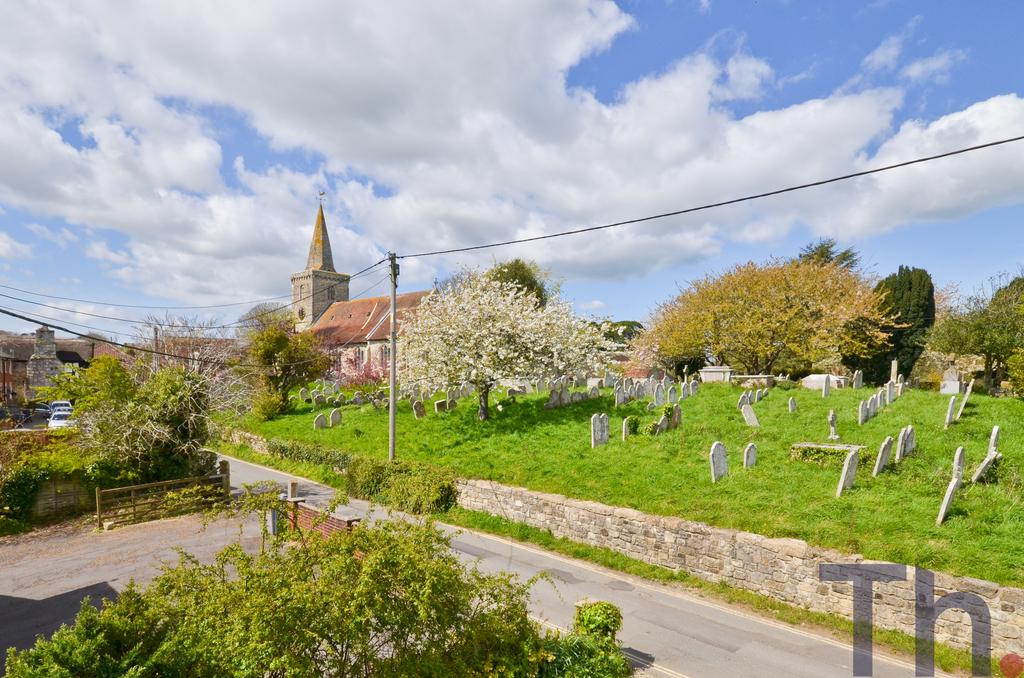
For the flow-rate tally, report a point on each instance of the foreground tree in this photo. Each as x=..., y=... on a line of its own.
x=989, y=326
x=757, y=316
x=909, y=297
x=483, y=330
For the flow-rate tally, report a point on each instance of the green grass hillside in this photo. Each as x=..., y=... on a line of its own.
x=891, y=517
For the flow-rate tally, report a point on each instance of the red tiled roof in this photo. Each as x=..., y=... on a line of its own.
x=362, y=320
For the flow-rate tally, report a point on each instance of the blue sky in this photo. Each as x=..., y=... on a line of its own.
x=173, y=155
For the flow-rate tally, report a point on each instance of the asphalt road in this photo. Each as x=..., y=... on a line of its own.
x=666, y=630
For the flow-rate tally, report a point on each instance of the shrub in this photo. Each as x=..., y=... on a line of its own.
x=651, y=428
x=266, y=405
x=313, y=453
x=584, y=656
x=18, y=490
x=597, y=618
x=820, y=455
x=1015, y=372
x=403, y=485
x=632, y=425
x=11, y=526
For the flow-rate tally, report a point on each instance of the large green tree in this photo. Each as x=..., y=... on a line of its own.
x=282, y=360
x=908, y=296
x=989, y=326
x=827, y=251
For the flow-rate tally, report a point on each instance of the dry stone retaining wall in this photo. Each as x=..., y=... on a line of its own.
x=783, y=569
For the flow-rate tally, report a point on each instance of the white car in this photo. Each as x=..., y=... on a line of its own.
x=61, y=420
x=60, y=406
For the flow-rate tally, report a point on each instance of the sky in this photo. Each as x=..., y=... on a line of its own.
x=172, y=153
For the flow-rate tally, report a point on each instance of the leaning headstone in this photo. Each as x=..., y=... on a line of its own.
x=954, y=485
x=440, y=405
x=826, y=386
x=849, y=474
x=882, y=460
x=963, y=403
x=832, y=421
x=418, y=410
x=792, y=404
x=901, y=444
x=749, y=455
x=862, y=413
x=335, y=418
x=749, y=416
x=742, y=401
x=663, y=424
x=719, y=463
x=949, y=412
x=986, y=465
x=993, y=441
x=320, y=421
x=598, y=429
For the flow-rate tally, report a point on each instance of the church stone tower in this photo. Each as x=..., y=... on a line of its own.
x=43, y=365
x=319, y=286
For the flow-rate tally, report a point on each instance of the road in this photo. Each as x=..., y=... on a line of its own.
x=666, y=630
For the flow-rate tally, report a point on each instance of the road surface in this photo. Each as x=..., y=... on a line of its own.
x=665, y=630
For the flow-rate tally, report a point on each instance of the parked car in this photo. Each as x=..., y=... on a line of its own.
x=61, y=420
x=60, y=406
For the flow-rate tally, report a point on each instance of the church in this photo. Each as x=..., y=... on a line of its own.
x=354, y=331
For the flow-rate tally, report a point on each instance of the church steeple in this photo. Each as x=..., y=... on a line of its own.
x=320, y=257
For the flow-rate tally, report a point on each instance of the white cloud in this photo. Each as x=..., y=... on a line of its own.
x=12, y=249
x=593, y=305
x=935, y=68
x=60, y=238
x=469, y=125
x=887, y=54
x=704, y=6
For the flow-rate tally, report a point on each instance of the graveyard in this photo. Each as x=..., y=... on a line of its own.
x=886, y=511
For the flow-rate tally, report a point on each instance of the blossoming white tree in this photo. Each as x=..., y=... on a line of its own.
x=481, y=330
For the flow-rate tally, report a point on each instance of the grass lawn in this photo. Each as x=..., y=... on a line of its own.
x=891, y=517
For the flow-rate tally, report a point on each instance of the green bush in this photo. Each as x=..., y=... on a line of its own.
x=1015, y=372
x=651, y=428
x=18, y=490
x=266, y=405
x=597, y=618
x=11, y=526
x=584, y=656
x=822, y=456
x=296, y=450
x=632, y=425
x=403, y=485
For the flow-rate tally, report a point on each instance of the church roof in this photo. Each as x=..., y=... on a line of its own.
x=361, y=320
x=320, y=256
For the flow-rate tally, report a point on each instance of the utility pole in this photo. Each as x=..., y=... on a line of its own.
x=393, y=354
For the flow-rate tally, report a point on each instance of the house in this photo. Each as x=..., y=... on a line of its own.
x=29, y=361
x=354, y=331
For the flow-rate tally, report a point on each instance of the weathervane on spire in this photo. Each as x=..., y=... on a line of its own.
x=321, y=196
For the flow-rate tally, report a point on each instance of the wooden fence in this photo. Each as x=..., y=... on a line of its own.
x=149, y=501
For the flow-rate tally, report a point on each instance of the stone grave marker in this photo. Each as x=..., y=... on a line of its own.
x=335, y=418
x=963, y=403
x=949, y=412
x=342, y=398
x=663, y=424
x=677, y=416
x=620, y=395
x=792, y=404
x=594, y=393
x=625, y=428
x=985, y=466
x=684, y=393
x=598, y=430
x=319, y=400
x=358, y=399
x=320, y=421
x=993, y=441
x=890, y=391
x=749, y=455
x=418, y=410
x=901, y=444
x=440, y=406
x=304, y=394
x=673, y=394
x=563, y=394
x=911, y=443
x=858, y=379
x=954, y=485
x=595, y=382
x=832, y=421
x=951, y=381
x=659, y=395
x=452, y=404
x=884, y=453
x=577, y=397
x=749, y=416
x=826, y=386
x=694, y=385
x=862, y=413
x=719, y=462
x=849, y=474
x=894, y=371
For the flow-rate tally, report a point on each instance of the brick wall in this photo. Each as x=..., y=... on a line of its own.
x=783, y=569
x=307, y=517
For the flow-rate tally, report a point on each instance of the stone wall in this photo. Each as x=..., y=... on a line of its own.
x=783, y=569
x=237, y=437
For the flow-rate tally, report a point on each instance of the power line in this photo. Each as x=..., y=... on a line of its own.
x=723, y=203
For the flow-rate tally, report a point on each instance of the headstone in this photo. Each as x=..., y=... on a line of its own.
x=620, y=395
x=749, y=455
x=742, y=400
x=694, y=385
x=993, y=441
x=890, y=392
x=899, y=388
x=749, y=416
x=882, y=460
x=440, y=406
x=663, y=424
x=849, y=474
x=825, y=387
x=951, y=383
x=418, y=410
x=594, y=393
x=949, y=412
x=320, y=421
x=335, y=418
x=858, y=379
x=872, y=406
x=304, y=394
x=792, y=404
x=911, y=444
x=901, y=444
x=894, y=371
x=577, y=397
x=862, y=413
x=659, y=395
x=452, y=404
x=963, y=403
x=832, y=421
x=358, y=399
x=598, y=430
x=673, y=394
x=684, y=393
x=677, y=416
x=719, y=463
x=883, y=398
x=625, y=428
x=342, y=398
x=595, y=382
x=563, y=395
x=986, y=465
x=319, y=400
x=954, y=485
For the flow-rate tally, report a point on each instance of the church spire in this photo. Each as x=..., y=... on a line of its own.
x=320, y=257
